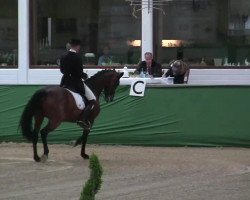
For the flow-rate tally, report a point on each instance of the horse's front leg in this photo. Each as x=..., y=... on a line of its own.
x=84, y=141
x=86, y=131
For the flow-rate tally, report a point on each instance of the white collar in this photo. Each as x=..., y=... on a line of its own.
x=72, y=50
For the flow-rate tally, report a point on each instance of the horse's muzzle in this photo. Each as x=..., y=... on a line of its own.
x=109, y=99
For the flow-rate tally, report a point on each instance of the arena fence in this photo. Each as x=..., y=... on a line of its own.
x=174, y=116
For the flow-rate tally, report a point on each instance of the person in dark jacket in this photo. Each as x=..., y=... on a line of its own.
x=150, y=66
x=179, y=70
x=71, y=67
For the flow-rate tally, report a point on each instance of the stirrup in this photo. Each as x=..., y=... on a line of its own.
x=84, y=124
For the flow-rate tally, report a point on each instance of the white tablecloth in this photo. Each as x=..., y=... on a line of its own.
x=153, y=81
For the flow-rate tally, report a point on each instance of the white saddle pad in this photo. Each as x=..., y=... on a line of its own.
x=78, y=99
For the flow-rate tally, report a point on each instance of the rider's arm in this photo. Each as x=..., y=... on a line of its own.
x=62, y=66
x=168, y=73
x=79, y=68
x=139, y=68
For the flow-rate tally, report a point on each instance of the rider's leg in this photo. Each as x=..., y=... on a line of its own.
x=83, y=120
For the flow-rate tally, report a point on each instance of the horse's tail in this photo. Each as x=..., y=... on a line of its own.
x=34, y=106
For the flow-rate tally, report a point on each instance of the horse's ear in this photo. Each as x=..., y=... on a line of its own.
x=121, y=74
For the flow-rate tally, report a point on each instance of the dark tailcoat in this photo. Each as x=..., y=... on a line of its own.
x=155, y=70
x=72, y=69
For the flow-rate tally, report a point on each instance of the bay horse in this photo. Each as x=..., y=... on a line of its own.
x=58, y=105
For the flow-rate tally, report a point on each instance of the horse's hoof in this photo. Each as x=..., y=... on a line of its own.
x=44, y=158
x=85, y=156
x=37, y=159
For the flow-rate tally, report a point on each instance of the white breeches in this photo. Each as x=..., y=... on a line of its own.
x=88, y=93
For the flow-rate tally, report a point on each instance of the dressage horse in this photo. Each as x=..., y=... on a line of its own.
x=58, y=105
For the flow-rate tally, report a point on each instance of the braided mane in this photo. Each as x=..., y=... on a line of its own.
x=97, y=76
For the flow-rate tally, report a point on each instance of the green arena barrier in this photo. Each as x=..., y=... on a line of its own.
x=165, y=116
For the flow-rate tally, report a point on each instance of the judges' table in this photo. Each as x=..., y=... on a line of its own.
x=166, y=116
x=149, y=81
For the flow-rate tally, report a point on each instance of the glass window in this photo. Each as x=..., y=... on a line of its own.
x=239, y=30
x=204, y=32
x=8, y=34
x=104, y=27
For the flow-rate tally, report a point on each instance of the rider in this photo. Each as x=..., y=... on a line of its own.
x=71, y=67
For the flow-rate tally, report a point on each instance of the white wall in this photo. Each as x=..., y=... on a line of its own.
x=8, y=76
x=219, y=77
x=23, y=41
x=196, y=77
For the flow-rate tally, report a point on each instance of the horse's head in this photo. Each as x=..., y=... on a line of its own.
x=113, y=80
x=106, y=80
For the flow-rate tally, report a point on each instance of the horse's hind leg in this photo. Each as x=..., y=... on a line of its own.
x=84, y=141
x=35, y=139
x=38, y=123
x=52, y=125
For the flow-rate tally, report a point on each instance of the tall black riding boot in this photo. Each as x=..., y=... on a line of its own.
x=83, y=119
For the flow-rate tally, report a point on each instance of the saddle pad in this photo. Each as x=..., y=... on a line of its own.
x=78, y=99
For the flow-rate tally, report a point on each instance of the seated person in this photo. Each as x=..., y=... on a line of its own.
x=179, y=70
x=106, y=58
x=149, y=65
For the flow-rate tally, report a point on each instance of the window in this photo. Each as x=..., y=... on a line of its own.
x=239, y=30
x=207, y=32
x=8, y=34
x=103, y=27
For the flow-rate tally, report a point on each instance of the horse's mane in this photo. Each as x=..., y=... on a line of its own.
x=97, y=76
